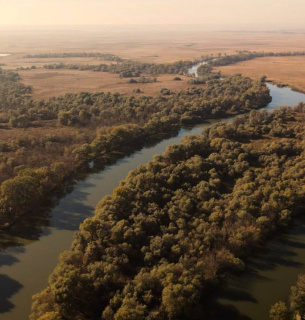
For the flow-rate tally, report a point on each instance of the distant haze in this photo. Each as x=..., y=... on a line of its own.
x=221, y=13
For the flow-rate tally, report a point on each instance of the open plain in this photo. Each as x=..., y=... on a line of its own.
x=281, y=70
x=147, y=44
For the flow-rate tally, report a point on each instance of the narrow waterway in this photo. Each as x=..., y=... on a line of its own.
x=194, y=69
x=28, y=260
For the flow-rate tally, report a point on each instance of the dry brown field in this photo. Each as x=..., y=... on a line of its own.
x=146, y=45
x=285, y=70
x=48, y=83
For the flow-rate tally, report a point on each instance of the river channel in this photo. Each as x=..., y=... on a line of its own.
x=28, y=259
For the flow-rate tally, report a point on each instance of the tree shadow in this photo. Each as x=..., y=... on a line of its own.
x=7, y=259
x=9, y=287
x=70, y=215
x=215, y=311
x=26, y=229
x=283, y=250
x=72, y=210
x=235, y=294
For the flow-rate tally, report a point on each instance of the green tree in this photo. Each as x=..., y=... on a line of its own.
x=279, y=311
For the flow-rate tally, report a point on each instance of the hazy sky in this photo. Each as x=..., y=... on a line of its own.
x=74, y=12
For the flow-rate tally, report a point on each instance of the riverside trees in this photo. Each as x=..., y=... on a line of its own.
x=74, y=129
x=177, y=225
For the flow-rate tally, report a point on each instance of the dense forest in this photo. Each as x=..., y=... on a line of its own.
x=43, y=142
x=178, y=225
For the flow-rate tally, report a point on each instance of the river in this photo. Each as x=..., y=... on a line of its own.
x=28, y=260
x=194, y=69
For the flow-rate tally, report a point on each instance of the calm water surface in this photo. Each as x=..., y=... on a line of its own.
x=29, y=259
x=267, y=278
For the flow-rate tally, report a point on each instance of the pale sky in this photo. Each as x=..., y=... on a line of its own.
x=92, y=12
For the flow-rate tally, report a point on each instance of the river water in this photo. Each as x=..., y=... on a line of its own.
x=269, y=274
x=194, y=69
x=29, y=258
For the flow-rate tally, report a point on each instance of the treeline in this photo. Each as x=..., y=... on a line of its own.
x=294, y=308
x=31, y=187
x=103, y=56
x=68, y=140
x=12, y=93
x=232, y=95
x=244, y=56
x=176, y=226
x=128, y=68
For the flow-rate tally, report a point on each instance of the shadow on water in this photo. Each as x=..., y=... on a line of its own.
x=225, y=312
x=280, y=251
x=71, y=215
x=265, y=280
x=216, y=311
x=27, y=229
x=235, y=294
x=7, y=259
x=11, y=287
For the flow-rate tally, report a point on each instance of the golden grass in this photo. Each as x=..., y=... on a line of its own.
x=153, y=46
x=47, y=83
x=287, y=70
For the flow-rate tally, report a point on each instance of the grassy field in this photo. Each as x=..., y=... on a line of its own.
x=286, y=70
x=47, y=83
